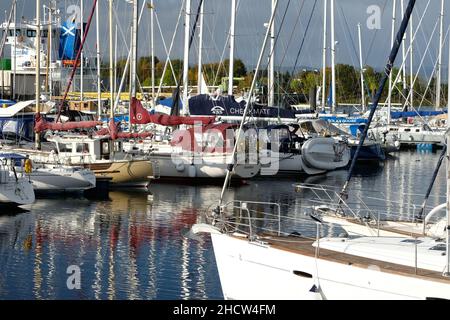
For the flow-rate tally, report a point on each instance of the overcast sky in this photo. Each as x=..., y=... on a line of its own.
x=251, y=16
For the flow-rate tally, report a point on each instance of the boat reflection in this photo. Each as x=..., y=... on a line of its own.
x=128, y=247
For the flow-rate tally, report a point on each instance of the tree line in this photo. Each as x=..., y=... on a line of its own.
x=299, y=83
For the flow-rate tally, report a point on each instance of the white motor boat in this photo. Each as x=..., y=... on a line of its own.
x=15, y=188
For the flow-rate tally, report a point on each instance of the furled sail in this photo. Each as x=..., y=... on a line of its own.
x=139, y=115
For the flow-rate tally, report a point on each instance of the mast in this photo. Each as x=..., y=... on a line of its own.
x=15, y=51
x=111, y=63
x=82, y=53
x=99, y=94
x=271, y=79
x=403, y=51
x=134, y=50
x=232, y=35
x=200, y=51
x=384, y=79
x=439, y=65
x=390, y=75
x=333, y=61
x=411, y=69
x=324, y=54
x=187, y=23
x=38, y=68
x=115, y=60
x=363, y=100
x=247, y=107
x=447, y=269
x=152, y=44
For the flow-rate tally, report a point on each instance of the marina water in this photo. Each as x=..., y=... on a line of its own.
x=131, y=246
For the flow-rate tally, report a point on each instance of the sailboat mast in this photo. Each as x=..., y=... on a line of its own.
x=200, y=50
x=38, y=68
x=411, y=69
x=361, y=66
x=333, y=61
x=152, y=44
x=232, y=34
x=82, y=53
x=402, y=7
x=394, y=6
x=447, y=269
x=15, y=51
x=99, y=94
x=111, y=57
x=187, y=23
x=324, y=54
x=271, y=82
x=134, y=50
x=247, y=106
x=439, y=65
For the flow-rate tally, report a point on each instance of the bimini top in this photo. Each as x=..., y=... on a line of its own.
x=14, y=156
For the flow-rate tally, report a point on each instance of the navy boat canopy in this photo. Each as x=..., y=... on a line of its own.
x=14, y=156
x=205, y=105
x=399, y=114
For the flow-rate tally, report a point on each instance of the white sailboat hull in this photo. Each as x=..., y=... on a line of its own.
x=18, y=192
x=57, y=179
x=254, y=271
x=208, y=166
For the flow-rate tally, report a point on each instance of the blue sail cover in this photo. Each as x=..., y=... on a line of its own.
x=69, y=41
x=205, y=105
x=399, y=114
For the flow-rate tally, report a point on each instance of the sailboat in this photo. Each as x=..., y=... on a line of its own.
x=15, y=188
x=257, y=259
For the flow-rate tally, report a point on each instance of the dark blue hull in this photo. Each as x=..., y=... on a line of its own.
x=371, y=152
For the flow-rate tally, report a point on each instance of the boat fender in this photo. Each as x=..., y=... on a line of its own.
x=180, y=167
x=192, y=171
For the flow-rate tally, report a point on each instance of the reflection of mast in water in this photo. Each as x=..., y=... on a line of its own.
x=185, y=291
x=37, y=279
x=114, y=235
x=51, y=265
x=132, y=276
x=201, y=263
x=97, y=287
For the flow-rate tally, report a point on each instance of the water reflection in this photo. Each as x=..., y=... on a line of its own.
x=131, y=246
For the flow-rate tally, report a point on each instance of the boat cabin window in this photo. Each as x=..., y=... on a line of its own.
x=31, y=33
x=417, y=130
x=308, y=127
x=82, y=148
x=65, y=147
x=105, y=148
x=407, y=130
x=117, y=146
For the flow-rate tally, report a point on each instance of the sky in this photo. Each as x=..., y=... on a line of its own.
x=250, y=19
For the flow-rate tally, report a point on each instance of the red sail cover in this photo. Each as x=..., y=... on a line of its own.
x=139, y=115
x=114, y=133
x=41, y=125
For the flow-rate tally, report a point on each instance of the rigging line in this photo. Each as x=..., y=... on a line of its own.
x=397, y=78
x=420, y=67
x=221, y=63
x=165, y=47
x=292, y=33
x=175, y=103
x=349, y=34
x=376, y=100
x=170, y=50
x=277, y=37
x=425, y=38
x=302, y=43
x=374, y=35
